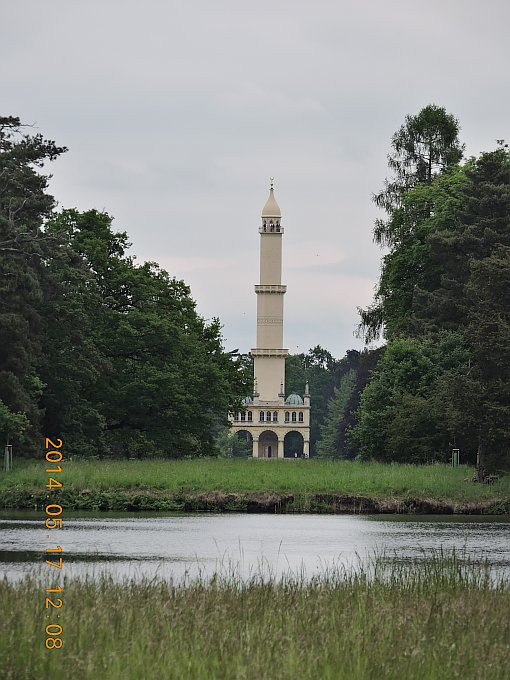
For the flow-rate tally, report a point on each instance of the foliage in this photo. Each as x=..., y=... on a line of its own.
x=151, y=376
x=329, y=445
x=24, y=204
x=401, y=415
x=317, y=367
x=447, y=271
x=12, y=425
x=410, y=268
x=109, y=355
x=473, y=297
x=424, y=147
x=324, y=375
x=232, y=444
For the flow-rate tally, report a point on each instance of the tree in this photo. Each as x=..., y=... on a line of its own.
x=146, y=375
x=472, y=297
x=324, y=374
x=24, y=205
x=320, y=358
x=424, y=147
x=233, y=444
x=411, y=267
x=329, y=444
x=401, y=413
x=362, y=364
x=316, y=367
x=447, y=273
x=12, y=425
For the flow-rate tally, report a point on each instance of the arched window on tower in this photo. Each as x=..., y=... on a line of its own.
x=277, y=226
x=300, y=417
x=293, y=416
x=250, y=416
x=261, y=416
x=272, y=227
x=287, y=416
x=264, y=225
x=275, y=416
x=268, y=417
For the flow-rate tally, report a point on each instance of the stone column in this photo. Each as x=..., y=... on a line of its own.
x=255, y=449
x=306, y=449
x=281, y=448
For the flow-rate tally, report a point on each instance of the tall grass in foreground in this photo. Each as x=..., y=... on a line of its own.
x=311, y=476
x=443, y=620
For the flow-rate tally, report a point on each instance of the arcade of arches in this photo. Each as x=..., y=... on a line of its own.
x=271, y=444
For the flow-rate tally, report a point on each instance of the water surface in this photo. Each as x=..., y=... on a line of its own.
x=174, y=546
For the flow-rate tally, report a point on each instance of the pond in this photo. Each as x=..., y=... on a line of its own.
x=174, y=546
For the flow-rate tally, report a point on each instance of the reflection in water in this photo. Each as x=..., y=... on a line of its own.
x=178, y=545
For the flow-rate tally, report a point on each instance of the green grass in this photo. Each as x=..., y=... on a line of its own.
x=302, y=477
x=442, y=621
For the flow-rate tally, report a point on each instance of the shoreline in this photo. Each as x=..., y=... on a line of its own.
x=264, y=502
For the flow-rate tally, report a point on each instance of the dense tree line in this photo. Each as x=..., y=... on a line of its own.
x=335, y=388
x=107, y=354
x=443, y=302
x=112, y=355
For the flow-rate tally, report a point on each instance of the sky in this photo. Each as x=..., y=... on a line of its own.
x=176, y=114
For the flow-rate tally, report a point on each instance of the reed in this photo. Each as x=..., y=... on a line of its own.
x=442, y=619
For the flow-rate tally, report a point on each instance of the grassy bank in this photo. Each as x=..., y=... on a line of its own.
x=263, y=486
x=444, y=621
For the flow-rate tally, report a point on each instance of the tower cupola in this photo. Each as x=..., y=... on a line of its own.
x=271, y=214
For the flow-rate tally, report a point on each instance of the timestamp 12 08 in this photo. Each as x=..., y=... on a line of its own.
x=53, y=555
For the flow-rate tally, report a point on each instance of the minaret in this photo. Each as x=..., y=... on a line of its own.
x=278, y=427
x=269, y=355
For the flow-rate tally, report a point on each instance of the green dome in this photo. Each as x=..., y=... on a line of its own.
x=247, y=400
x=294, y=399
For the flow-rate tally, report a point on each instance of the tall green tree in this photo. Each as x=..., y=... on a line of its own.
x=330, y=442
x=411, y=267
x=151, y=376
x=448, y=271
x=352, y=373
x=73, y=358
x=424, y=147
x=24, y=205
x=472, y=297
x=402, y=410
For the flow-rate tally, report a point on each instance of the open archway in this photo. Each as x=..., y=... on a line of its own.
x=293, y=444
x=242, y=445
x=268, y=444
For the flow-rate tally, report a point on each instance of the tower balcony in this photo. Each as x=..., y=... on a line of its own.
x=266, y=352
x=274, y=288
x=271, y=230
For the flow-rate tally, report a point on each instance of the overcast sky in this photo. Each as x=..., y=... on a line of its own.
x=177, y=113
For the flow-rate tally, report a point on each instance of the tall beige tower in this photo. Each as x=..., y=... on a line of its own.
x=269, y=418
x=269, y=355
